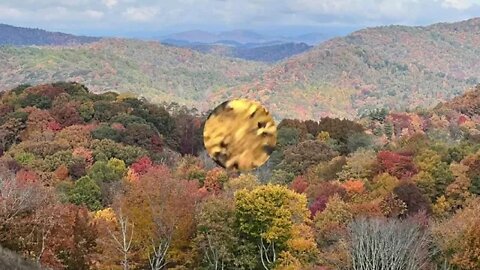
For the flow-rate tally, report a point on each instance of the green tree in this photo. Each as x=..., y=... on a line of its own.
x=216, y=238
x=434, y=176
x=281, y=177
x=286, y=136
x=105, y=131
x=326, y=170
x=106, y=172
x=340, y=130
x=110, y=149
x=52, y=162
x=360, y=165
x=87, y=192
x=34, y=100
x=105, y=110
x=359, y=140
x=300, y=157
x=86, y=111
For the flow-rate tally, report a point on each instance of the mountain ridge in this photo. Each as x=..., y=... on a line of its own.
x=242, y=36
x=149, y=69
x=396, y=67
x=22, y=36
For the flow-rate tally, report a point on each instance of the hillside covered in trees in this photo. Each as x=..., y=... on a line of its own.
x=395, y=67
x=108, y=181
x=263, y=52
x=150, y=69
x=21, y=36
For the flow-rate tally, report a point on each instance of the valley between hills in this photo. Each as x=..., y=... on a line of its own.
x=395, y=67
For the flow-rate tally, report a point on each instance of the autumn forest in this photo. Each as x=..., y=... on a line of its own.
x=103, y=163
x=110, y=181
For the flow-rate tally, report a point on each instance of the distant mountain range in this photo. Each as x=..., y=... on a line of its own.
x=11, y=35
x=396, y=67
x=238, y=37
x=264, y=52
x=244, y=44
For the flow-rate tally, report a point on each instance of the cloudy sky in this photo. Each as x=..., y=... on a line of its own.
x=123, y=17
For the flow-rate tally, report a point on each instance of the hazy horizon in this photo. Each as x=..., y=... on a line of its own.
x=148, y=19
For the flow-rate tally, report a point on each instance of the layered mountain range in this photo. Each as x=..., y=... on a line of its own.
x=396, y=67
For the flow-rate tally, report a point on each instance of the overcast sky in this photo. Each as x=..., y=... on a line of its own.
x=163, y=16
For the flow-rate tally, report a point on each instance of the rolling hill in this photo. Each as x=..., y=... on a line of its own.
x=242, y=37
x=264, y=52
x=12, y=35
x=158, y=72
x=397, y=67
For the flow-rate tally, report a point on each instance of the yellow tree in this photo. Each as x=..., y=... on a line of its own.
x=270, y=217
x=331, y=230
x=459, y=237
x=163, y=209
x=115, y=238
x=458, y=191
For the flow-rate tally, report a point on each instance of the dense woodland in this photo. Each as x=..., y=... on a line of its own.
x=20, y=36
x=262, y=52
x=113, y=182
x=399, y=67
x=149, y=69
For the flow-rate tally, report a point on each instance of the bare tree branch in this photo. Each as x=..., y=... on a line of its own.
x=388, y=245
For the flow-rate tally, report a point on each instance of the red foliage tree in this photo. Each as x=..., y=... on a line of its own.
x=58, y=236
x=61, y=172
x=118, y=126
x=318, y=205
x=325, y=189
x=5, y=109
x=354, y=186
x=84, y=153
x=142, y=165
x=45, y=90
x=400, y=121
x=67, y=114
x=396, y=164
x=320, y=194
x=54, y=126
x=215, y=179
x=38, y=120
x=26, y=177
x=299, y=184
x=411, y=195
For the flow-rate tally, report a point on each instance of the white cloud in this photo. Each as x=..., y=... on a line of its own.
x=94, y=14
x=142, y=14
x=110, y=3
x=8, y=12
x=120, y=15
x=459, y=4
x=59, y=13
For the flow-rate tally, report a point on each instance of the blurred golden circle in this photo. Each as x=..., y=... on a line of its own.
x=240, y=134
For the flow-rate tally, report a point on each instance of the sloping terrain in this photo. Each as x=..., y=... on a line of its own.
x=268, y=53
x=148, y=69
x=397, y=67
x=13, y=35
